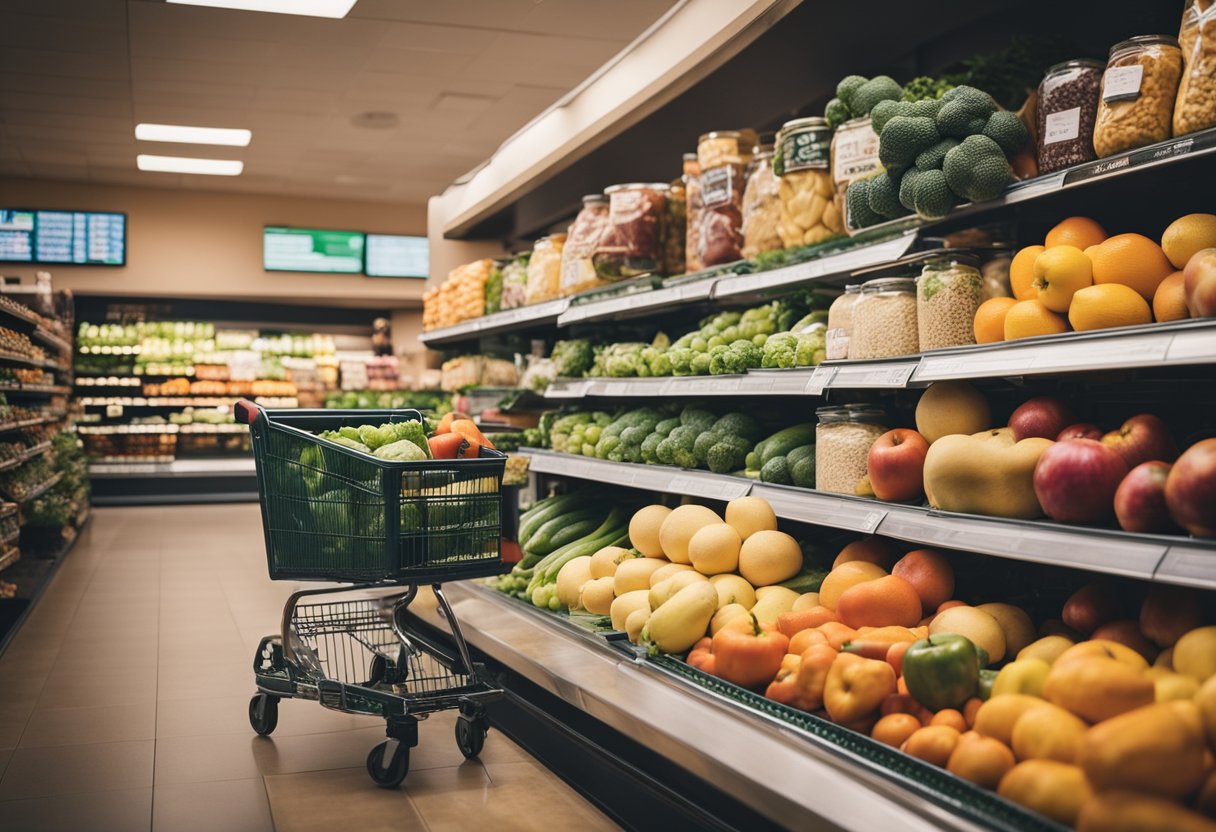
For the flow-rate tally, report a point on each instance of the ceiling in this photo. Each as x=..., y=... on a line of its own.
x=461, y=75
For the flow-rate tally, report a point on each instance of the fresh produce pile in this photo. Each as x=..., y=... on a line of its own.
x=434, y=401
x=785, y=458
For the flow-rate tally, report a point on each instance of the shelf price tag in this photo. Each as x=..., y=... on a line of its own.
x=819, y=380
x=113, y=411
x=714, y=488
x=879, y=375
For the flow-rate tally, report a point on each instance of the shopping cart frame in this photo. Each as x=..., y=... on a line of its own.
x=359, y=656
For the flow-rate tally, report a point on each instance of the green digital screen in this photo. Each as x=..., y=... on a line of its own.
x=312, y=250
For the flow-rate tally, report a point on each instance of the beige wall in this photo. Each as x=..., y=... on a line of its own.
x=207, y=244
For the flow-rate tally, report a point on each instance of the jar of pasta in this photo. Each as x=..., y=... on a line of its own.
x=545, y=269
x=948, y=292
x=884, y=319
x=692, y=213
x=802, y=161
x=1195, y=108
x=843, y=439
x=578, y=273
x=840, y=322
x=1138, y=92
x=761, y=206
x=632, y=241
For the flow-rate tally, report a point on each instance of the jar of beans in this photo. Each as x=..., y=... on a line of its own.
x=884, y=319
x=948, y=292
x=842, y=446
x=1196, y=105
x=1138, y=91
x=1067, y=109
x=840, y=323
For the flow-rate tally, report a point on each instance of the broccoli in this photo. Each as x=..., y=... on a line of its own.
x=680, y=359
x=704, y=441
x=739, y=424
x=886, y=110
x=698, y=418
x=977, y=169
x=812, y=347
x=965, y=110
x=857, y=205
x=932, y=198
x=740, y=356
x=650, y=445
x=878, y=88
x=883, y=196
x=621, y=360
x=929, y=108
x=924, y=87
x=666, y=426
x=700, y=364
x=677, y=447
x=847, y=87
x=572, y=358
x=907, y=188
x=728, y=454
x=836, y=113
x=779, y=351
x=777, y=471
x=1008, y=131
x=903, y=138
x=932, y=158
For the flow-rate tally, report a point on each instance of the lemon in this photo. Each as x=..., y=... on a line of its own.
x=1108, y=305
x=1186, y=235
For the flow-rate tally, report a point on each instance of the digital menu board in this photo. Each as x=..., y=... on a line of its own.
x=396, y=255
x=84, y=238
x=312, y=250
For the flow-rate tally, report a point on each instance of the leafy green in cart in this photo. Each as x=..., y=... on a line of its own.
x=384, y=440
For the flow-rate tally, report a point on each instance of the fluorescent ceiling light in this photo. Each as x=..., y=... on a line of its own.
x=311, y=8
x=192, y=135
x=182, y=164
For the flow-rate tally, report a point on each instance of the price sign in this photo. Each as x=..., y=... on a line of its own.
x=819, y=380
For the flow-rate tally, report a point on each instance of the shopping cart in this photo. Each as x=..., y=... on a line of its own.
x=334, y=514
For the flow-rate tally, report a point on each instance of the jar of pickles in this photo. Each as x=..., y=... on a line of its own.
x=692, y=213
x=884, y=319
x=843, y=439
x=632, y=241
x=578, y=273
x=948, y=292
x=1138, y=91
x=761, y=206
x=809, y=211
x=840, y=323
x=1066, y=111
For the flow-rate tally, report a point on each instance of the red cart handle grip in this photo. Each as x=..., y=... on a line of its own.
x=245, y=412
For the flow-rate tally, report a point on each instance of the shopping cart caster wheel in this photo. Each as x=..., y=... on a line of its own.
x=264, y=713
x=388, y=776
x=470, y=736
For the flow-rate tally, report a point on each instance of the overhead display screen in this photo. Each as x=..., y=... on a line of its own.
x=312, y=250
x=83, y=238
x=396, y=255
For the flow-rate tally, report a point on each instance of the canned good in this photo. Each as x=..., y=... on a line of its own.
x=843, y=439
x=1138, y=91
x=692, y=213
x=948, y=292
x=884, y=319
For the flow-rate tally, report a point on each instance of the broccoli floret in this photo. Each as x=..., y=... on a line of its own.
x=705, y=441
x=739, y=424
x=929, y=108
x=846, y=88
x=857, y=205
x=924, y=87
x=727, y=455
x=777, y=471
x=698, y=418
x=812, y=347
x=883, y=196
x=679, y=441
x=878, y=88
x=650, y=445
x=977, y=169
x=965, y=110
x=681, y=360
x=655, y=362
x=700, y=364
x=907, y=188
x=802, y=472
x=572, y=358
x=779, y=351
x=740, y=356
x=666, y=426
x=932, y=158
x=836, y=113
x=886, y=110
x=932, y=198
x=903, y=138
x=1008, y=131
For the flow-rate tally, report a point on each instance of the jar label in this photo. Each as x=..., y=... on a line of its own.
x=626, y=206
x=1122, y=83
x=716, y=185
x=802, y=149
x=854, y=154
x=1063, y=126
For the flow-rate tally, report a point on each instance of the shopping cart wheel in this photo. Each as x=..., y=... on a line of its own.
x=470, y=735
x=388, y=776
x=264, y=713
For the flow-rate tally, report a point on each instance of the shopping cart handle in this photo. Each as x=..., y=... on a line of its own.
x=245, y=412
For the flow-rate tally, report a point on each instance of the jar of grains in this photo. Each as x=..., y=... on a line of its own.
x=843, y=439
x=761, y=206
x=1195, y=108
x=1066, y=111
x=948, y=292
x=884, y=319
x=809, y=213
x=1138, y=91
x=692, y=213
x=840, y=322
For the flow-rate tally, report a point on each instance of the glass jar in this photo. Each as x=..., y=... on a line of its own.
x=843, y=439
x=1066, y=111
x=545, y=269
x=884, y=319
x=515, y=281
x=854, y=157
x=675, y=222
x=725, y=147
x=809, y=211
x=1138, y=92
x=1195, y=108
x=578, y=273
x=761, y=206
x=840, y=322
x=948, y=292
x=632, y=241
x=692, y=213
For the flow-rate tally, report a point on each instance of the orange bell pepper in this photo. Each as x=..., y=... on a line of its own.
x=795, y=621
x=702, y=655
x=445, y=424
x=446, y=445
x=817, y=661
x=471, y=432
x=856, y=687
x=783, y=689
x=837, y=634
x=748, y=658
x=805, y=639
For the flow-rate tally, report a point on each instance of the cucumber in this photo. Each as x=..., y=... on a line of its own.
x=784, y=441
x=575, y=531
x=551, y=509
x=542, y=540
x=798, y=453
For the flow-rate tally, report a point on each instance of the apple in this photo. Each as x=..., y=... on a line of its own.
x=1140, y=499
x=1168, y=613
x=1042, y=416
x=1127, y=632
x=896, y=465
x=1097, y=603
x=1081, y=430
x=1142, y=438
x=1199, y=283
x=1075, y=481
x=1190, y=490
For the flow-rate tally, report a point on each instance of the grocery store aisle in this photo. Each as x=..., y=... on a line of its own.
x=123, y=706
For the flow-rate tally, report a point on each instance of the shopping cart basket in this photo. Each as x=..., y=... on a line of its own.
x=331, y=513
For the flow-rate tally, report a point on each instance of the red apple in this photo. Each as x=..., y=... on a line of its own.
x=1043, y=416
x=1190, y=490
x=1142, y=438
x=1098, y=602
x=897, y=465
x=1056, y=627
x=1081, y=430
x=1127, y=632
x=1076, y=480
x=1140, y=499
x=1168, y=613
x=1199, y=283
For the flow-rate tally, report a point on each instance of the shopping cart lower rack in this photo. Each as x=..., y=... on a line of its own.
x=335, y=514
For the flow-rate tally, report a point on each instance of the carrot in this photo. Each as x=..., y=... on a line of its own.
x=446, y=445
x=469, y=449
x=445, y=424
x=470, y=431
x=795, y=620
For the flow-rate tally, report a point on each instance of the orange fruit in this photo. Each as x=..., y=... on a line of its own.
x=871, y=549
x=930, y=574
x=934, y=744
x=1169, y=301
x=982, y=760
x=1089, y=251
x=970, y=708
x=1133, y=260
x=1106, y=306
x=1081, y=232
x=844, y=576
x=1058, y=273
x=951, y=717
x=1021, y=272
x=1028, y=318
x=894, y=729
x=990, y=320
x=1186, y=235
x=884, y=602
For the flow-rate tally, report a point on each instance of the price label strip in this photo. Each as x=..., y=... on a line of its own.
x=874, y=375
x=709, y=486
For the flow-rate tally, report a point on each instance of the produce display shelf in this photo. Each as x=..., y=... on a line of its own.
x=9, y=555
x=49, y=389
x=161, y=428
x=109, y=381
x=525, y=317
x=184, y=401
x=9, y=427
x=19, y=314
x=25, y=456
x=1161, y=558
x=642, y=303
x=14, y=358
x=52, y=339
x=40, y=489
x=221, y=467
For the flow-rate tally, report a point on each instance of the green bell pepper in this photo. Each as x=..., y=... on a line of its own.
x=987, y=678
x=942, y=671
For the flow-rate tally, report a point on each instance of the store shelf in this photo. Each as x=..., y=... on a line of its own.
x=25, y=456
x=526, y=317
x=40, y=489
x=51, y=339
x=184, y=401
x=9, y=427
x=9, y=555
x=109, y=381
x=161, y=428
x=1167, y=559
x=14, y=358
x=176, y=468
x=641, y=303
x=45, y=389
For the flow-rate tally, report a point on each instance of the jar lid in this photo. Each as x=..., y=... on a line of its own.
x=1140, y=41
x=720, y=134
x=690, y=157
x=888, y=284
x=636, y=186
x=592, y=199
x=804, y=123
x=852, y=288
x=1075, y=63
x=961, y=258
x=850, y=412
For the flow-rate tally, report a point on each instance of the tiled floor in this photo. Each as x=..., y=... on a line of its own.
x=123, y=706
